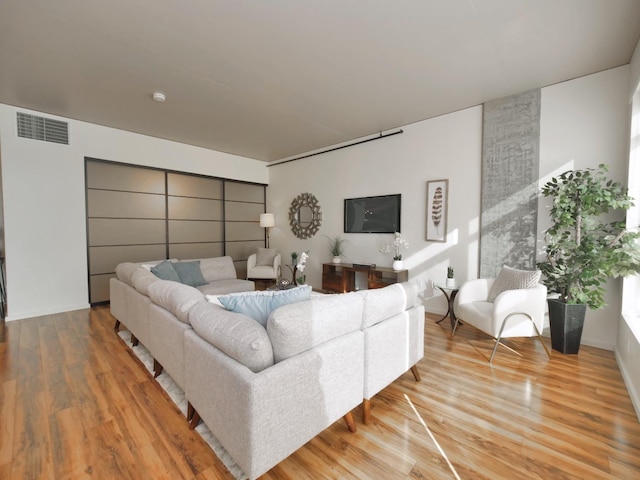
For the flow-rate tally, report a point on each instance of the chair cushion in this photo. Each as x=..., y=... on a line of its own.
x=190, y=273
x=266, y=256
x=513, y=279
x=259, y=305
x=165, y=271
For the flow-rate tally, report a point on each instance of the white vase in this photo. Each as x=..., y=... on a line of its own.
x=336, y=259
x=398, y=265
x=451, y=282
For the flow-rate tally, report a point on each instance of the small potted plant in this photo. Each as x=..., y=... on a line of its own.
x=583, y=249
x=395, y=246
x=451, y=281
x=336, y=248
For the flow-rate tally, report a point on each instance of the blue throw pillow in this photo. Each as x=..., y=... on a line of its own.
x=258, y=305
x=190, y=273
x=165, y=271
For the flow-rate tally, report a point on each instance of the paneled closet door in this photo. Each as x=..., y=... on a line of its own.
x=137, y=214
x=126, y=220
x=195, y=216
x=243, y=205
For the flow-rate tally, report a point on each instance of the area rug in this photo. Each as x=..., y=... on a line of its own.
x=177, y=395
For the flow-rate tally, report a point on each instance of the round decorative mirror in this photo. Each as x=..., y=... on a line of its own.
x=305, y=215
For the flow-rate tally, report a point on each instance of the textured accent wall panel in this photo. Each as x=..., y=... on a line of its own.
x=510, y=168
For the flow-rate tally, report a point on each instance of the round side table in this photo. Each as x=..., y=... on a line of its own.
x=450, y=294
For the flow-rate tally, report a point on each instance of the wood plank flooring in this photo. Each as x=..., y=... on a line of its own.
x=75, y=403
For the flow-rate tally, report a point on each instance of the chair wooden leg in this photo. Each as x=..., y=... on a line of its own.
x=117, y=325
x=134, y=341
x=416, y=373
x=157, y=368
x=190, y=411
x=195, y=420
x=366, y=411
x=350, y=423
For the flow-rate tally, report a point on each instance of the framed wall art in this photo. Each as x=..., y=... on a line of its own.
x=437, y=205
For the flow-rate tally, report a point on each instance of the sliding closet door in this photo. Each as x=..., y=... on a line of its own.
x=243, y=235
x=137, y=214
x=196, y=216
x=126, y=212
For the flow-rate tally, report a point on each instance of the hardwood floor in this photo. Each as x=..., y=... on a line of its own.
x=75, y=403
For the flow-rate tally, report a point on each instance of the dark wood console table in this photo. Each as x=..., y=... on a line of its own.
x=341, y=277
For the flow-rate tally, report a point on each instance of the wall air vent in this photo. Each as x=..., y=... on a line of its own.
x=41, y=128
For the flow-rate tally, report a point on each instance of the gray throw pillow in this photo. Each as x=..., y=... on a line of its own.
x=165, y=271
x=513, y=279
x=190, y=273
x=266, y=256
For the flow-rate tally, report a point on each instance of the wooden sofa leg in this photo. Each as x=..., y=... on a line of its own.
x=366, y=408
x=157, y=368
x=190, y=411
x=134, y=341
x=195, y=420
x=350, y=423
x=416, y=373
x=117, y=325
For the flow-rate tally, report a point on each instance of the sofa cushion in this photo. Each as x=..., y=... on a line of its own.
x=165, y=271
x=217, y=268
x=141, y=278
x=190, y=273
x=124, y=271
x=265, y=257
x=223, y=287
x=237, y=335
x=259, y=305
x=175, y=297
x=513, y=279
x=300, y=326
x=383, y=303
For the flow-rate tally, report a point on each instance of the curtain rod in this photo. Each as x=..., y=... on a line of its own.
x=338, y=148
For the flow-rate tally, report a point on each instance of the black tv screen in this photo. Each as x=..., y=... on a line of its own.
x=372, y=214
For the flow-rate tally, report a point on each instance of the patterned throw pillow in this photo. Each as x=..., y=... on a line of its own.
x=513, y=279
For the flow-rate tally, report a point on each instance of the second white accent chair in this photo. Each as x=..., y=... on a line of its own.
x=264, y=265
x=502, y=310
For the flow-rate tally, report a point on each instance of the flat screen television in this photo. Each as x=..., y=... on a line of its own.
x=379, y=214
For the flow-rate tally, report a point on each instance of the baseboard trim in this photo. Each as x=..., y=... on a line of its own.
x=40, y=313
x=633, y=394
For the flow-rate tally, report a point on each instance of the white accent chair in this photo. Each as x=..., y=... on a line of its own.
x=263, y=272
x=513, y=313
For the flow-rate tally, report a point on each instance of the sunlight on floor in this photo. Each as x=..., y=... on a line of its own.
x=444, y=455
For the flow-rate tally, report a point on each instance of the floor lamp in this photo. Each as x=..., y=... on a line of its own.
x=267, y=220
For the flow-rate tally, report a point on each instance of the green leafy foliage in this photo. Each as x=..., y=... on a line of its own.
x=583, y=250
x=336, y=246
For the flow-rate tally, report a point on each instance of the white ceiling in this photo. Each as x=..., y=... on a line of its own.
x=273, y=79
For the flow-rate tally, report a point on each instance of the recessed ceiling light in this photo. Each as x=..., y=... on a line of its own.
x=159, y=97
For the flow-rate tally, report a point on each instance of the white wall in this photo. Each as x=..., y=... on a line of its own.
x=44, y=204
x=628, y=342
x=584, y=122
x=447, y=147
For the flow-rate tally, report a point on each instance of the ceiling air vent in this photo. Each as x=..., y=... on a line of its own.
x=41, y=128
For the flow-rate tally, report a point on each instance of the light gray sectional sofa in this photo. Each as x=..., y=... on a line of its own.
x=264, y=391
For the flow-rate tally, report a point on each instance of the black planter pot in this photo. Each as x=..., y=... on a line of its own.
x=566, y=322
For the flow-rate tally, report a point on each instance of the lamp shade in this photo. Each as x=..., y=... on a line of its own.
x=267, y=220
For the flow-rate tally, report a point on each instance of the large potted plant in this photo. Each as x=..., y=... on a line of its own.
x=584, y=249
